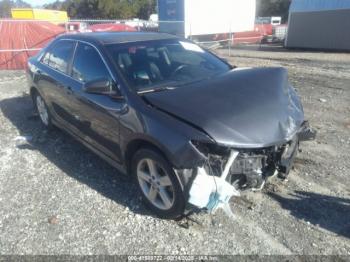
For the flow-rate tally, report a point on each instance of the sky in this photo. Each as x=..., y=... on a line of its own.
x=38, y=2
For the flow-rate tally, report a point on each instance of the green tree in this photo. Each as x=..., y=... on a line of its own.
x=145, y=8
x=106, y=9
x=117, y=9
x=273, y=8
x=6, y=5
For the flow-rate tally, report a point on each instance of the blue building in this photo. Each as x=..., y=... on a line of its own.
x=319, y=24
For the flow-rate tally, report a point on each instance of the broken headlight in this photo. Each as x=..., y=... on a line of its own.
x=216, y=156
x=207, y=149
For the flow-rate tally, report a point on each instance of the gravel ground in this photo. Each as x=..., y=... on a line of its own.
x=56, y=197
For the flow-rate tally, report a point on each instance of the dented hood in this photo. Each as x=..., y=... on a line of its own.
x=243, y=108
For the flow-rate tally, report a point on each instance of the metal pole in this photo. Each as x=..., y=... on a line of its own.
x=229, y=43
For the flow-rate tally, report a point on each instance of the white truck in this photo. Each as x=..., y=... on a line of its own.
x=206, y=17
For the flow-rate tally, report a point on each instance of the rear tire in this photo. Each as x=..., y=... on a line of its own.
x=42, y=110
x=158, y=184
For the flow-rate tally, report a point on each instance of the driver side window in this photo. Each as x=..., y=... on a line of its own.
x=88, y=64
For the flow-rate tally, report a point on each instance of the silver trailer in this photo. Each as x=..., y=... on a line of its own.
x=319, y=24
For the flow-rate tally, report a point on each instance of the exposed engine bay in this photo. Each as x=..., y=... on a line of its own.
x=252, y=167
x=234, y=170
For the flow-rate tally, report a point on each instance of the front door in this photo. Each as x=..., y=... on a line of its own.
x=97, y=115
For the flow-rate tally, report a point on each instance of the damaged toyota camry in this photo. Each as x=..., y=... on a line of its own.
x=191, y=129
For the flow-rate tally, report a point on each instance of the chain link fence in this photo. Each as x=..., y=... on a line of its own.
x=108, y=25
x=21, y=39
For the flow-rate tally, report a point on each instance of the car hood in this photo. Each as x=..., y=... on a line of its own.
x=244, y=107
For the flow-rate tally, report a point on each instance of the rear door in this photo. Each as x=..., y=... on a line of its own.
x=98, y=115
x=55, y=82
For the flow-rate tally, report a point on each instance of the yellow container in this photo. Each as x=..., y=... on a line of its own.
x=53, y=16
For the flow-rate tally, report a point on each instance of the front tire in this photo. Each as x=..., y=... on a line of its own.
x=158, y=184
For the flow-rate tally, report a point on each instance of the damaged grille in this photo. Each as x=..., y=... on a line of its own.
x=248, y=163
x=251, y=167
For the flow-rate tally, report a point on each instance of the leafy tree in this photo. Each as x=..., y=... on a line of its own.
x=273, y=8
x=6, y=5
x=106, y=9
x=145, y=8
x=117, y=9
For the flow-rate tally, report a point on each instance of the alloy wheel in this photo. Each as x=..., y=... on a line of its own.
x=155, y=184
x=42, y=110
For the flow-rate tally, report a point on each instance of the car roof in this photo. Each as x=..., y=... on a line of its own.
x=107, y=38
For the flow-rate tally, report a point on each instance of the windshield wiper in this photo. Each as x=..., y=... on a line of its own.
x=156, y=89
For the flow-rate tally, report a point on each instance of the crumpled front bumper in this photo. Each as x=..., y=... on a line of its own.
x=278, y=159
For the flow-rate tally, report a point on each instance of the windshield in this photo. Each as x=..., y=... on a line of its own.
x=165, y=63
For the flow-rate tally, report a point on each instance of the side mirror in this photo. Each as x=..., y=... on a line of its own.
x=101, y=86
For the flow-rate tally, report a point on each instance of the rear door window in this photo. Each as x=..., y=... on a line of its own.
x=46, y=58
x=59, y=56
x=88, y=64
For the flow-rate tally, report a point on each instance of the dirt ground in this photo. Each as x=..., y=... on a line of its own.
x=56, y=197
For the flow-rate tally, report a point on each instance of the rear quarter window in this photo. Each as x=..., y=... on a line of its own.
x=59, y=55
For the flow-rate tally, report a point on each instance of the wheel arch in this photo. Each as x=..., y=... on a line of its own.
x=184, y=176
x=137, y=144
